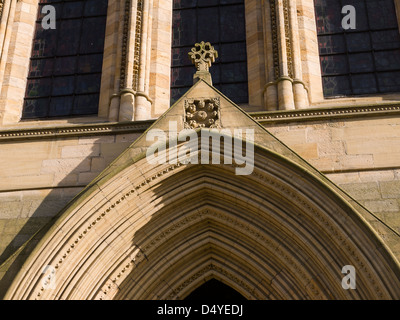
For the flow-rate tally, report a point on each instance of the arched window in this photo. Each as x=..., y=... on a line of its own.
x=364, y=60
x=66, y=62
x=222, y=23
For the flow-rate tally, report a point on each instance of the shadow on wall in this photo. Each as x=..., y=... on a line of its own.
x=182, y=246
x=37, y=210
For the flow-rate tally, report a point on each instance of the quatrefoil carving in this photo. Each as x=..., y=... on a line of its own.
x=202, y=113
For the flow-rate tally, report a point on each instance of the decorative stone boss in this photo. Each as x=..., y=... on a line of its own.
x=202, y=113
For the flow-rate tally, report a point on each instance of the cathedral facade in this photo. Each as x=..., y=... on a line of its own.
x=165, y=149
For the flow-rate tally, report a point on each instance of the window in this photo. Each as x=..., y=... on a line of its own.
x=365, y=60
x=66, y=62
x=222, y=23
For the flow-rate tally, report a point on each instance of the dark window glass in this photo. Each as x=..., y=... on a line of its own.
x=389, y=81
x=222, y=23
x=66, y=63
x=336, y=85
x=364, y=60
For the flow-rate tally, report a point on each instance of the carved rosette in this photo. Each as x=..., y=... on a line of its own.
x=202, y=113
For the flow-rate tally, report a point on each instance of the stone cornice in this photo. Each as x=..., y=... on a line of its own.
x=314, y=114
x=75, y=130
x=264, y=117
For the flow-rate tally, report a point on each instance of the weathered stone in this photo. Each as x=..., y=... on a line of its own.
x=390, y=189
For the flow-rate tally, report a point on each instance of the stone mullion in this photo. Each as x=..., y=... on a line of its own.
x=299, y=88
x=4, y=7
x=142, y=99
x=132, y=17
x=285, y=89
x=141, y=54
x=134, y=101
x=122, y=16
x=148, y=51
x=271, y=55
x=7, y=8
x=16, y=32
x=131, y=44
x=284, y=82
x=288, y=37
x=278, y=91
x=137, y=29
x=281, y=39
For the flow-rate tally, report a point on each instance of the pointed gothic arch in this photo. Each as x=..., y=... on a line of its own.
x=159, y=232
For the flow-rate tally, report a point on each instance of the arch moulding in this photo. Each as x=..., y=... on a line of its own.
x=159, y=232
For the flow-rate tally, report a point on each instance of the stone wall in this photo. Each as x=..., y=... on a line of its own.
x=360, y=155
x=40, y=176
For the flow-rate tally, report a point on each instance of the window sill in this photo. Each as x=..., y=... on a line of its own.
x=53, y=122
x=383, y=99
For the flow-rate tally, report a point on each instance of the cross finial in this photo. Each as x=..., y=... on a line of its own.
x=203, y=55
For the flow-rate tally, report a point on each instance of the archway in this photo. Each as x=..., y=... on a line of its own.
x=160, y=232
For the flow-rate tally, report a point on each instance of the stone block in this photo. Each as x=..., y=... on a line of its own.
x=80, y=151
x=14, y=226
x=70, y=179
x=65, y=166
x=377, y=206
x=87, y=177
x=129, y=137
x=363, y=191
x=358, y=132
x=331, y=148
x=307, y=150
x=98, y=164
x=373, y=146
x=348, y=162
x=97, y=139
x=369, y=176
x=10, y=210
x=26, y=182
x=29, y=207
x=112, y=151
x=390, y=189
x=325, y=164
x=292, y=137
x=344, y=177
x=387, y=159
x=392, y=218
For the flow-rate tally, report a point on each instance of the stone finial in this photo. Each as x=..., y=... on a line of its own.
x=203, y=55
